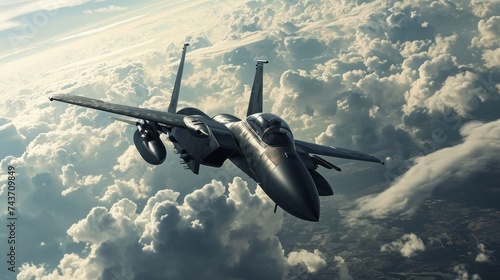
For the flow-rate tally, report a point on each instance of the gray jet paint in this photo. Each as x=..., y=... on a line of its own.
x=262, y=145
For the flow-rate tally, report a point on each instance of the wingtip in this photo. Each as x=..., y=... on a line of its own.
x=50, y=98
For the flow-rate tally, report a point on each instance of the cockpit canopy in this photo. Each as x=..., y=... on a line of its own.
x=271, y=129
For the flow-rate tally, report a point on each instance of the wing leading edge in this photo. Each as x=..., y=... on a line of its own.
x=165, y=118
x=335, y=152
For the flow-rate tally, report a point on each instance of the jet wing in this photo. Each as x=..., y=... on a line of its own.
x=334, y=152
x=165, y=118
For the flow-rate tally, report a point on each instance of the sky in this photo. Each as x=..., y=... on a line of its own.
x=415, y=83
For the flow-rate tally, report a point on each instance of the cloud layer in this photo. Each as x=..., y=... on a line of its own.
x=478, y=152
x=408, y=245
x=210, y=234
x=415, y=82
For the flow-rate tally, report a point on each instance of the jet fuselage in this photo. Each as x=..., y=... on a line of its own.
x=268, y=155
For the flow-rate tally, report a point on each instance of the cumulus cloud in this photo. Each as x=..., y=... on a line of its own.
x=71, y=180
x=408, y=245
x=343, y=269
x=489, y=35
x=360, y=131
x=313, y=261
x=12, y=138
x=483, y=254
x=432, y=73
x=130, y=189
x=461, y=94
x=463, y=274
x=483, y=8
x=404, y=58
x=492, y=57
x=210, y=233
x=102, y=225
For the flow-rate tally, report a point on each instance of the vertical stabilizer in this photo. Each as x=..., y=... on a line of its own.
x=255, y=104
x=177, y=86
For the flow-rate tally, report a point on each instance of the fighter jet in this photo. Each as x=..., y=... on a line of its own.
x=262, y=145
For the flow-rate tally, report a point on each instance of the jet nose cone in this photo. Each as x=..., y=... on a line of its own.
x=290, y=185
